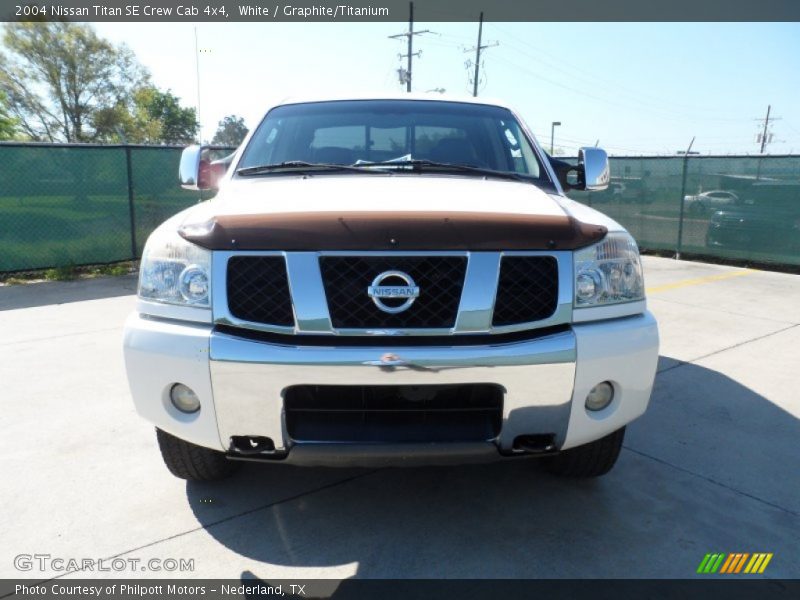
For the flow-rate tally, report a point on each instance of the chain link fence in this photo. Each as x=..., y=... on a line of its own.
x=63, y=205
x=728, y=207
x=71, y=205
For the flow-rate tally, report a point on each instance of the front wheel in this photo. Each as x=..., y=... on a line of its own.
x=590, y=460
x=191, y=462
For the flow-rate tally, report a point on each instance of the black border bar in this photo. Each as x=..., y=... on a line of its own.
x=262, y=11
x=246, y=588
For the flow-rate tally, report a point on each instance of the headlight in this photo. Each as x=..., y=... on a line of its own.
x=608, y=272
x=175, y=271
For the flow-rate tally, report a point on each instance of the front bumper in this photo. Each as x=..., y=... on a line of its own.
x=240, y=381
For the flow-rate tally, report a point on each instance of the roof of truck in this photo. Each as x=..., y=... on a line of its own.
x=430, y=96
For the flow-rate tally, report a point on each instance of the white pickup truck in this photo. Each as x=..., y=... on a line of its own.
x=394, y=280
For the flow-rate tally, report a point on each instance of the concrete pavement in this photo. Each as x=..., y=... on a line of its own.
x=712, y=467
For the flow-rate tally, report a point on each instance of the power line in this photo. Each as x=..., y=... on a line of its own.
x=572, y=142
x=444, y=44
x=647, y=103
x=459, y=39
x=661, y=113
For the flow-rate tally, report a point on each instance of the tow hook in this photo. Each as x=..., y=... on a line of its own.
x=252, y=445
x=540, y=443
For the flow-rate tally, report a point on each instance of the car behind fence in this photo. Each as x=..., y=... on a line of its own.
x=66, y=204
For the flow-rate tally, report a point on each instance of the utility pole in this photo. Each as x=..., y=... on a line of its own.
x=478, y=49
x=478, y=56
x=197, y=69
x=766, y=138
x=410, y=44
x=553, y=126
x=764, y=135
x=410, y=35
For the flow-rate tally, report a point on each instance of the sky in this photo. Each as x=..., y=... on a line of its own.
x=638, y=88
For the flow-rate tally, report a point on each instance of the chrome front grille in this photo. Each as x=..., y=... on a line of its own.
x=325, y=293
x=346, y=279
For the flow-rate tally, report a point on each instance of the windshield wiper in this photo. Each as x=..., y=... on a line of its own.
x=420, y=164
x=388, y=166
x=303, y=166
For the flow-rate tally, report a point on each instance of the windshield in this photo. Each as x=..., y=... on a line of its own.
x=357, y=132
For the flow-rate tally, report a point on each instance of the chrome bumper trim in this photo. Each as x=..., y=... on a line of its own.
x=249, y=377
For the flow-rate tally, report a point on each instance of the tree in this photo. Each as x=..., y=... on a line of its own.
x=151, y=117
x=8, y=124
x=178, y=124
x=58, y=76
x=230, y=131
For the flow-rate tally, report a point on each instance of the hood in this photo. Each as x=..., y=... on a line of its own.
x=385, y=212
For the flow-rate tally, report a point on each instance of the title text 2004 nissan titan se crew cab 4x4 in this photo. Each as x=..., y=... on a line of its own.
x=392, y=280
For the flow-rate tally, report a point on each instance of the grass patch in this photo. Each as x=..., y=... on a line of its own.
x=69, y=273
x=62, y=273
x=115, y=270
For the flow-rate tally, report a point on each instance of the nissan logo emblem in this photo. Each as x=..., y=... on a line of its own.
x=379, y=293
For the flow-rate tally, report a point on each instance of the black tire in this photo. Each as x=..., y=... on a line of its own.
x=192, y=462
x=590, y=460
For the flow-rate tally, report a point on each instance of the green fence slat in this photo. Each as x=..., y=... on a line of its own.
x=64, y=205
x=745, y=208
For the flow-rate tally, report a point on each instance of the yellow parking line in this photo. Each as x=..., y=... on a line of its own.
x=698, y=280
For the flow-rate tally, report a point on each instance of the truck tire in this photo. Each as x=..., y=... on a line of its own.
x=590, y=460
x=192, y=462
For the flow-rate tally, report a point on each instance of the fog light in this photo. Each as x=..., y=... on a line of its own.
x=184, y=399
x=600, y=396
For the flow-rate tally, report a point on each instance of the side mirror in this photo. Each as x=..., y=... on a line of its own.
x=593, y=168
x=592, y=172
x=189, y=169
x=198, y=171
